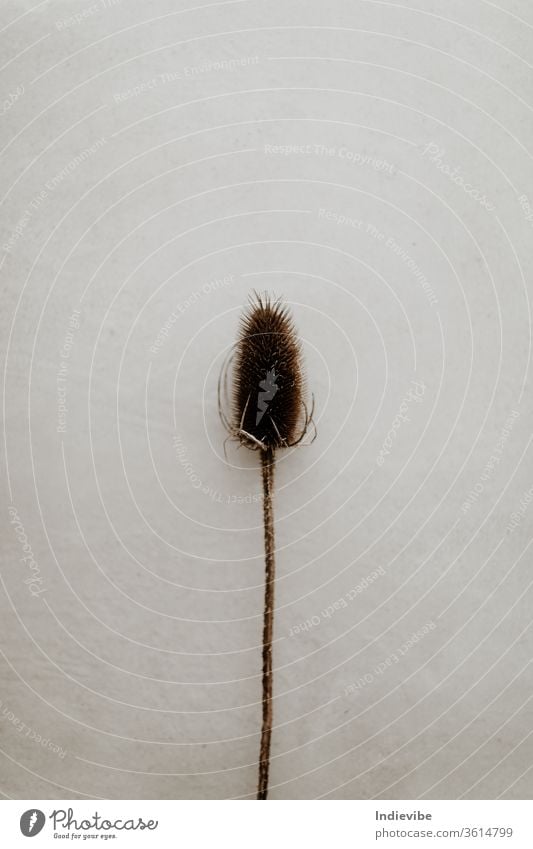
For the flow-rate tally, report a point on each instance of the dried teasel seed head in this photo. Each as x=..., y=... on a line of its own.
x=268, y=409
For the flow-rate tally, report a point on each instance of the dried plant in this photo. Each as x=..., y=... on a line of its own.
x=267, y=412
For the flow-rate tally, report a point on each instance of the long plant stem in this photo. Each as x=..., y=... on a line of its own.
x=267, y=468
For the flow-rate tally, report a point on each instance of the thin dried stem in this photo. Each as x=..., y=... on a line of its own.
x=267, y=467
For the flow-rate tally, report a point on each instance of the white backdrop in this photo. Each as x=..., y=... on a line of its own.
x=371, y=163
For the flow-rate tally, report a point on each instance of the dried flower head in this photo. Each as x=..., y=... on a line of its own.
x=267, y=405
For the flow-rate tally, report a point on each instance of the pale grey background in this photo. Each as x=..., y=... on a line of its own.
x=141, y=658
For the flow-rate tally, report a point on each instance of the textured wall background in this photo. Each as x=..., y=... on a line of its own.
x=371, y=161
